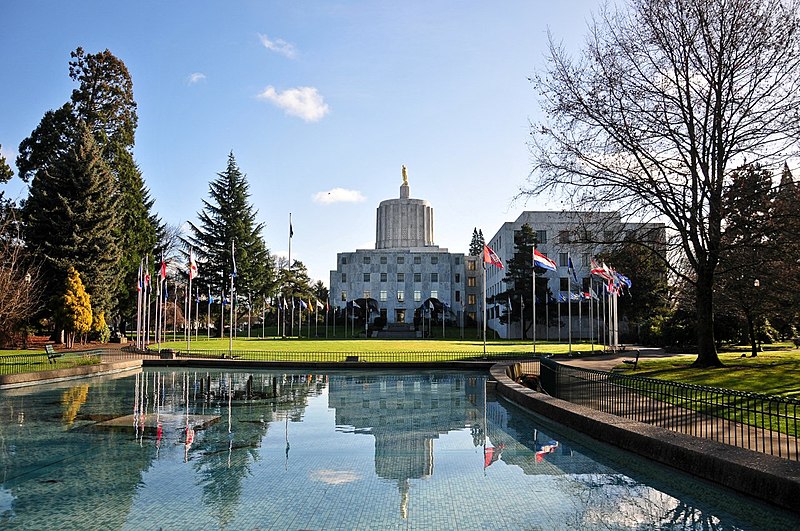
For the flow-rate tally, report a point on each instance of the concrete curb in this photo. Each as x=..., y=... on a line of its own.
x=11, y=381
x=772, y=479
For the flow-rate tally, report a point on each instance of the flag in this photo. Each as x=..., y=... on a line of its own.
x=509, y=305
x=166, y=295
x=542, y=261
x=303, y=304
x=146, y=279
x=623, y=279
x=355, y=305
x=163, y=268
x=593, y=294
x=571, y=269
x=233, y=260
x=320, y=305
x=492, y=454
x=490, y=257
x=291, y=231
x=192, y=266
x=139, y=279
x=600, y=271
x=284, y=306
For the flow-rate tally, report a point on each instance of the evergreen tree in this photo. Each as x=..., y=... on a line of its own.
x=518, y=278
x=5, y=170
x=74, y=311
x=103, y=101
x=476, y=245
x=70, y=219
x=229, y=217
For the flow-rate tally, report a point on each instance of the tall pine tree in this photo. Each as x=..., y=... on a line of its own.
x=70, y=219
x=229, y=217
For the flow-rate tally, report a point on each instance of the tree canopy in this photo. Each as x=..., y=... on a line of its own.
x=666, y=99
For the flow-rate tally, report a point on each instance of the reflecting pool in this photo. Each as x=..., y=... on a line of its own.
x=197, y=449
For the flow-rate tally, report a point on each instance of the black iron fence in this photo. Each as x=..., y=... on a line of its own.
x=767, y=424
x=398, y=357
x=42, y=361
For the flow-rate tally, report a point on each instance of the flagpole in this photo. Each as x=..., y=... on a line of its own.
x=197, y=312
x=569, y=301
x=533, y=298
x=189, y=302
x=147, y=302
x=138, y=303
x=484, y=324
x=208, y=314
x=230, y=336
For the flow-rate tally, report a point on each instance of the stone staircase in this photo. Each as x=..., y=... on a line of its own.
x=397, y=331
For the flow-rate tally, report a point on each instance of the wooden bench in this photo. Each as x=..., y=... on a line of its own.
x=634, y=362
x=52, y=355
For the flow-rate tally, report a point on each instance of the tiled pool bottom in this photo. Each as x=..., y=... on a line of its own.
x=335, y=450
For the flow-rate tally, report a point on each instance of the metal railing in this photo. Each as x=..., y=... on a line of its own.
x=398, y=357
x=41, y=361
x=767, y=424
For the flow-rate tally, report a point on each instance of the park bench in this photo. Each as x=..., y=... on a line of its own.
x=634, y=362
x=52, y=355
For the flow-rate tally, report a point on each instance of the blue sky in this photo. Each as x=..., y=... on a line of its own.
x=312, y=97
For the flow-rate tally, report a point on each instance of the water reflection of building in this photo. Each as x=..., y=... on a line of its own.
x=405, y=414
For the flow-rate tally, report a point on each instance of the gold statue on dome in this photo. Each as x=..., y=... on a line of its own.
x=405, y=175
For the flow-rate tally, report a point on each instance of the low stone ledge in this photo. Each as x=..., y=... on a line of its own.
x=9, y=381
x=769, y=478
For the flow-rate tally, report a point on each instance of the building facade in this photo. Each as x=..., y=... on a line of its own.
x=405, y=270
x=561, y=235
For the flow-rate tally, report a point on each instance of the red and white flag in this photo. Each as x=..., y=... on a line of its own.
x=490, y=257
x=192, y=266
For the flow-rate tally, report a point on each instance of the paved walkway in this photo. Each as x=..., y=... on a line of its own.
x=604, y=395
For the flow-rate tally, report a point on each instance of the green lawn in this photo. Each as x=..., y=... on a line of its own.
x=773, y=372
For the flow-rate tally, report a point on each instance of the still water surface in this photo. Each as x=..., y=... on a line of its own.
x=175, y=449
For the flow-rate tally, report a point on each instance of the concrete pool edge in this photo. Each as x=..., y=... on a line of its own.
x=25, y=379
x=771, y=479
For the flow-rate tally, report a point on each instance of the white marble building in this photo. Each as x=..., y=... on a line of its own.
x=405, y=268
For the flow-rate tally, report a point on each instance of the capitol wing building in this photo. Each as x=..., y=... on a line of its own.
x=405, y=271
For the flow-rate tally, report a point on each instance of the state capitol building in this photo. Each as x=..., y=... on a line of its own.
x=406, y=270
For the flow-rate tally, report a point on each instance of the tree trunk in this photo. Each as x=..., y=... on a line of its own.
x=706, y=348
x=751, y=332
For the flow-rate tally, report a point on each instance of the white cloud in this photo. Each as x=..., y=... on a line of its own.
x=303, y=102
x=338, y=195
x=278, y=46
x=334, y=477
x=195, y=77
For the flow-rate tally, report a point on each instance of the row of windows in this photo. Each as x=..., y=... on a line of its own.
x=401, y=260
x=401, y=277
x=383, y=295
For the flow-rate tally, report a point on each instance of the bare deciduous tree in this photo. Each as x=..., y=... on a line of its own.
x=667, y=98
x=20, y=286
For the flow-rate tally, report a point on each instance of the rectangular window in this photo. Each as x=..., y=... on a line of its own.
x=563, y=236
x=366, y=277
x=586, y=284
x=344, y=260
x=401, y=277
x=417, y=277
x=563, y=259
x=383, y=259
x=434, y=260
x=434, y=294
x=401, y=296
x=472, y=282
x=458, y=278
x=401, y=259
x=417, y=259
x=383, y=277
x=472, y=265
x=344, y=295
x=563, y=284
x=367, y=260
x=458, y=296
x=458, y=260
x=471, y=298
x=541, y=237
x=434, y=277
x=344, y=277
x=383, y=295
x=417, y=295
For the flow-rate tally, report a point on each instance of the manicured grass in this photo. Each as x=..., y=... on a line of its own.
x=773, y=372
x=356, y=346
